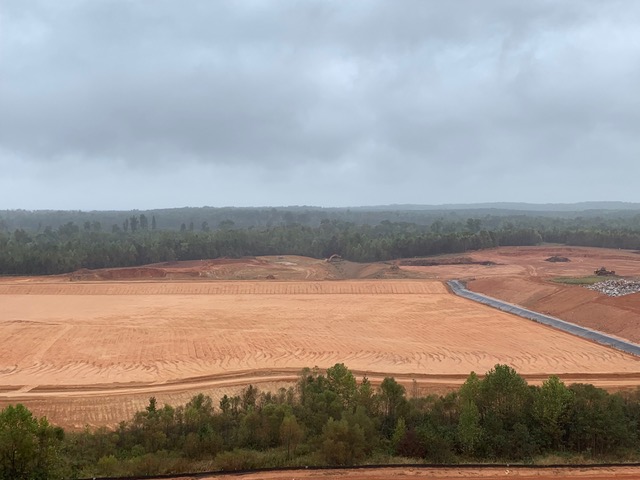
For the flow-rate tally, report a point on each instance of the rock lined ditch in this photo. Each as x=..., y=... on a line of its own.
x=458, y=288
x=616, y=287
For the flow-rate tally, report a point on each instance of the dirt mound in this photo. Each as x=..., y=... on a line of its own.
x=246, y=268
x=499, y=262
x=132, y=273
x=345, y=270
x=556, y=259
x=432, y=262
x=282, y=268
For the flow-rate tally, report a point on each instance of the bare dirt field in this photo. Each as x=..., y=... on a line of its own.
x=88, y=351
x=598, y=473
x=252, y=268
x=521, y=275
x=532, y=286
x=528, y=262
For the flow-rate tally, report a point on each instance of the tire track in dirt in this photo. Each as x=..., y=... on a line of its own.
x=123, y=347
x=45, y=346
x=107, y=405
x=193, y=350
x=288, y=375
x=352, y=287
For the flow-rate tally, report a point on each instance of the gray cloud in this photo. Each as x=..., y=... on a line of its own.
x=362, y=99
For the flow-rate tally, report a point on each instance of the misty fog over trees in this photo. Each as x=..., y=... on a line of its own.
x=51, y=242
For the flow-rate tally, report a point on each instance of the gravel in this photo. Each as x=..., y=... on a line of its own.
x=616, y=287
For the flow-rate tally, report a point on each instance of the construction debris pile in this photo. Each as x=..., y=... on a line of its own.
x=616, y=288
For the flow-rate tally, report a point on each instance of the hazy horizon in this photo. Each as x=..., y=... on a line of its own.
x=119, y=105
x=585, y=206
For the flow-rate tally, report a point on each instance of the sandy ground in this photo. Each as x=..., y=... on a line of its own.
x=92, y=352
x=521, y=275
x=446, y=474
x=91, y=347
x=530, y=285
x=527, y=262
x=250, y=268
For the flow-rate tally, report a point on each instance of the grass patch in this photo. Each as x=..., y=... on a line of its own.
x=589, y=280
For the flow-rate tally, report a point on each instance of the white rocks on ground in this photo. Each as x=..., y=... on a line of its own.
x=616, y=287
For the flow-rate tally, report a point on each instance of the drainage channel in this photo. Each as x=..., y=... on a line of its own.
x=459, y=289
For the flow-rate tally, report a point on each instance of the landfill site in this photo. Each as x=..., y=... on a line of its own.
x=92, y=346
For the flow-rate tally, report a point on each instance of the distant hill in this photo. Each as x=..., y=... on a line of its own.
x=514, y=206
x=492, y=215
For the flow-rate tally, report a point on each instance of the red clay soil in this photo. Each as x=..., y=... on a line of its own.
x=285, y=268
x=532, y=286
x=619, y=316
x=55, y=322
x=400, y=472
x=133, y=273
x=520, y=275
x=170, y=270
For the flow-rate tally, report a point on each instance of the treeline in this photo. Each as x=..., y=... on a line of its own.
x=331, y=419
x=605, y=215
x=216, y=218
x=71, y=248
x=138, y=242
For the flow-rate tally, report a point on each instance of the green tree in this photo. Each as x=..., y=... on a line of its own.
x=366, y=398
x=398, y=435
x=469, y=431
x=291, y=434
x=504, y=402
x=392, y=403
x=551, y=409
x=28, y=446
x=249, y=396
x=470, y=390
x=133, y=223
x=504, y=393
x=225, y=404
x=341, y=443
x=598, y=424
x=341, y=381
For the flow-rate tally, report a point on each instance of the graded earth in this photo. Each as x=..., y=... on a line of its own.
x=93, y=346
x=493, y=473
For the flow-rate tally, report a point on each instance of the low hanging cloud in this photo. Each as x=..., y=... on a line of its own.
x=383, y=93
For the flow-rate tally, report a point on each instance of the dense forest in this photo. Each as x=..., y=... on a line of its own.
x=331, y=419
x=493, y=216
x=38, y=243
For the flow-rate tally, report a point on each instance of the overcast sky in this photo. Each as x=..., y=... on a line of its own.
x=122, y=104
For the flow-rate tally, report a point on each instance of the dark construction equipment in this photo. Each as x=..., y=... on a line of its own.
x=604, y=272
